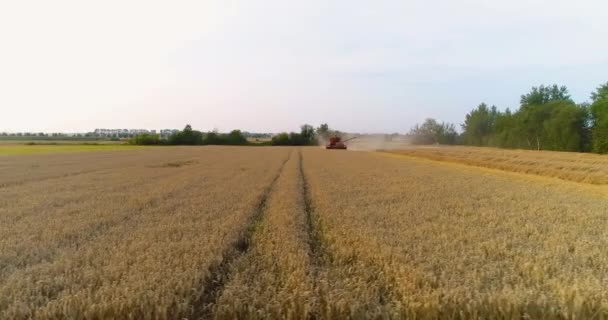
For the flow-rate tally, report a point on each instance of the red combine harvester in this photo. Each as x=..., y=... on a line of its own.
x=337, y=143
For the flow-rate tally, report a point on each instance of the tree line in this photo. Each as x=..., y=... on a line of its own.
x=308, y=135
x=547, y=119
x=189, y=136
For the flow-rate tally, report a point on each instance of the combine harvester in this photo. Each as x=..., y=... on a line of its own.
x=336, y=143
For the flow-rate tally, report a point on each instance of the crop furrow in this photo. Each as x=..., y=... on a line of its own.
x=348, y=284
x=317, y=251
x=219, y=272
x=314, y=241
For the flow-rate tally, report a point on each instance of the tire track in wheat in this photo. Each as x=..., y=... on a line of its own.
x=219, y=273
x=347, y=284
x=317, y=254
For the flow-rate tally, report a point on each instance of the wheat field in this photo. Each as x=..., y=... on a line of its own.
x=578, y=167
x=298, y=233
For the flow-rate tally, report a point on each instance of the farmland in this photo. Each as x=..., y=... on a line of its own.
x=571, y=166
x=11, y=149
x=301, y=233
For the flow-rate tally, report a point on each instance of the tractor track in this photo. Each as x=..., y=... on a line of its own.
x=219, y=273
x=321, y=258
x=317, y=251
x=314, y=239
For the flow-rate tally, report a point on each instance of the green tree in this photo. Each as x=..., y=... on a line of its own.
x=211, y=138
x=479, y=125
x=531, y=122
x=296, y=139
x=508, y=132
x=187, y=137
x=323, y=131
x=307, y=133
x=599, y=119
x=306, y=137
x=433, y=132
x=545, y=94
x=281, y=139
x=542, y=110
x=145, y=139
x=566, y=127
x=236, y=137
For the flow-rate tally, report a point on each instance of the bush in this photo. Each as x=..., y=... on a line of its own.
x=234, y=138
x=281, y=139
x=212, y=137
x=145, y=139
x=433, y=132
x=599, y=140
x=187, y=137
x=306, y=137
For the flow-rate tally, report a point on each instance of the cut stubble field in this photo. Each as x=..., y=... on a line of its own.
x=296, y=233
x=571, y=166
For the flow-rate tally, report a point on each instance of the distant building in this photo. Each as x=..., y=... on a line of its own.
x=100, y=132
x=120, y=132
x=168, y=132
x=110, y=132
x=138, y=131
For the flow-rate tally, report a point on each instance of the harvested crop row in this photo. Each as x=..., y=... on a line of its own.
x=151, y=262
x=427, y=241
x=274, y=279
x=579, y=167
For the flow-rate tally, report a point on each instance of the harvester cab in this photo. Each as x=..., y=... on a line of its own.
x=336, y=143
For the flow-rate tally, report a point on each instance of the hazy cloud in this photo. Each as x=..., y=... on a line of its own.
x=272, y=65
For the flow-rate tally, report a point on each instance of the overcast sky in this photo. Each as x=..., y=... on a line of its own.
x=267, y=66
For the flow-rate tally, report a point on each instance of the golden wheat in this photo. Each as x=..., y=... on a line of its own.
x=579, y=167
x=139, y=244
x=459, y=244
x=288, y=272
x=257, y=233
x=274, y=280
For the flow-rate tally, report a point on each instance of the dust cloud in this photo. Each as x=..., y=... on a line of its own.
x=373, y=142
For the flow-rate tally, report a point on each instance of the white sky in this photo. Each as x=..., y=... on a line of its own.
x=366, y=66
